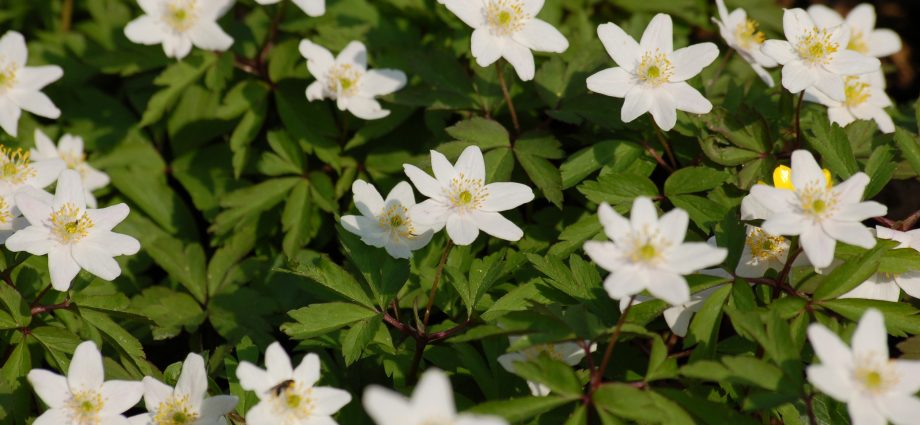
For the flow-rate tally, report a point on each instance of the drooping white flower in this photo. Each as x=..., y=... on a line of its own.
x=865, y=100
x=648, y=253
x=83, y=397
x=347, y=80
x=313, y=8
x=70, y=150
x=180, y=24
x=652, y=76
x=508, y=29
x=763, y=251
x=568, y=352
x=877, y=389
x=186, y=403
x=20, y=85
x=432, y=402
x=816, y=57
x=386, y=223
x=741, y=34
x=289, y=396
x=72, y=235
x=820, y=214
x=864, y=37
x=887, y=286
x=460, y=199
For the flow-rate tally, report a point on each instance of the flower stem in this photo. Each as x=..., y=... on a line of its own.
x=725, y=59
x=434, y=285
x=40, y=295
x=599, y=373
x=501, y=81
x=798, y=125
x=665, y=144
x=66, y=15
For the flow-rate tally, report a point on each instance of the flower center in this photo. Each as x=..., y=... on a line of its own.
x=647, y=247
x=816, y=47
x=858, y=42
x=467, y=194
x=532, y=352
x=395, y=219
x=6, y=214
x=875, y=373
x=655, y=68
x=175, y=411
x=15, y=168
x=70, y=224
x=818, y=201
x=857, y=92
x=84, y=407
x=73, y=159
x=505, y=17
x=293, y=402
x=764, y=246
x=181, y=15
x=343, y=79
x=747, y=35
x=7, y=75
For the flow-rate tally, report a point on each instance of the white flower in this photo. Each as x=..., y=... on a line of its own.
x=864, y=38
x=313, y=8
x=508, y=29
x=11, y=219
x=432, y=403
x=885, y=286
x=876, y=389
x=678, y=316
x=817, y=212
x=20, y=85
x=386, y=223
x=741, y=34
x=461, y=200
x=186, y=403
x=816, y=57
x=752, y=209
x=17, y=170
x=70, y=150
x=82, y=398
x=865, y=100
x=72, y=236
x=179, y=24
x=347, y=80
x=762, y=252
x=287, y=396
x=568, y=352
x=645, y=253
x=652, y=76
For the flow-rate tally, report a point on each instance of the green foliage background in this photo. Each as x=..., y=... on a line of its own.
x=236, y=184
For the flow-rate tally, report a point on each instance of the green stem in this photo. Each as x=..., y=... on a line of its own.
x=507, y=96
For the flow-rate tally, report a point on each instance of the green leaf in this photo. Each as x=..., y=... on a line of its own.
x=880, y=168
x=909, y=146
x=704, y=329
x=852, y=273
x=176, y=78
x=693, y=180
x=830, y=140
x=325, y=272
x=702, y=211
x=618, y=188
x=615, y=154
x=900, y=318
x=358, y=337
x=520, y=409
x=297, y=219
x=556, y=375
x=17, y=313
x=250, y=201
x=124, y=342
x=533, y=153
x=58, y=342
x=320, y=319
x=171, y=311
x=481, y=132
x=384, y=274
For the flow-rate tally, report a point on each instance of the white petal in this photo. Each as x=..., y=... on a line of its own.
x=108, y=217
x=688, y=99
x=624, y=282
x=823, y=16
x=797, y=76
x=155, y=392
x=471, y=163
x=433, y=396
x=193, y=380
x=423, y=182
x=114, y=243
x=278, y=363
x=53, y=417
x=35, y=102
x=532, y=7
x=462, y=229
x=69, y=191
x=870, y=335
x=910, y=283
x=908, y=372
x=61, y=266
x=50, y=387
x=840, y=115
x=850, y=233
x=643, y=216
x=367, y=199
x=604, y=254
x=144, y=30
x=366, y=109
x=46, y=172
x=542, y=37
x=784, y=224
x=779, y=50
x=35, y=240
x=262, y=414
x=690, y=257
x=470, y=12
x=85, y=371
x=497, y=225
x=805, y=170
x=622, y=48
x=506, y=195
x=900, y=409
x=637, y=102
x=252, y=378
x=876, y=288
x=883, y=121
x=315, y=91
x=829, y=348
x=442, y=168
x=485, y=47
x=848, y=62
x=209, y=36
x=379, y=82
x=36, y=78
x=689, y=61
x=13, y=48
x=673, y=225
x=216, y=406
x=520, y=58
x=386, y=407
x=863, y=411
x=307, y=372
x=796, y=23
x=119, y=396
x=664, y=110
x=658, y=35
x=818, y=246
x=9, y=116
x=670, y=287
x=429, y=215
x=614, y=82
x=860, y=211
x=96, y=260
x=355, y=53
x=861, y=18
x=831, y=85
x=617, y=227
x=831, y=381
x=884, y=42
x=176, y=46
x=319, y=59
x=312, y=8
x=401, y=193
x=329, y=400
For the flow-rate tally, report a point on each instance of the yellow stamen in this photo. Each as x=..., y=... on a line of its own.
x=747, y=35
x=857, y=92
x=505, y=17
x=655, y=68
x=816, y=47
